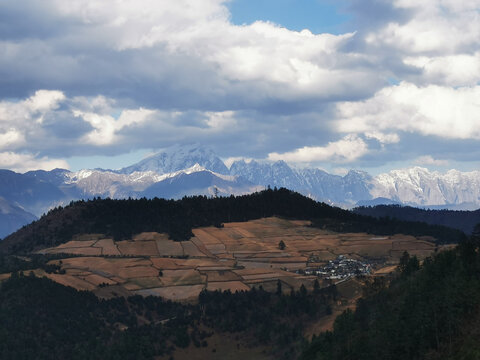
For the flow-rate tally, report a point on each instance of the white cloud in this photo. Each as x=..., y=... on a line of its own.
x=431, y=110
x=26, y=162
x=44, y=100
x=30, y=109
x=229, y=161
x=429, y=160
x=439, y=40
x=346, y=150
x=9, y=138
x=340, y=171
x=437, y=26
x=155, y=41
x=391, y=138
x=220, y=121
x=106, y=127
x=145, y=73
x=453, y=70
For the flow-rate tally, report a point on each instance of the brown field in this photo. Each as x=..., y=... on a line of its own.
x=108, y=247
x=88, y=251
x=410, y=245
x=176, y=293
x=138, y=248
x=87, y=237
x=72, y=281
x=147, y=282
x=182, y=277
x=385, y=270
x=96, y=280
x=227, y=285
x=256, y=265
x=200, y=246
x=295, y=283
x=213, y=276
x=167, y=247
x=165, y=263
x=205, y=237
x=137, y=272
x=191, y=250
x=152, y=236
x=235, y=257
x=77, y=244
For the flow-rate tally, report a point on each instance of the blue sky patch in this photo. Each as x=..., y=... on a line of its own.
x=316, y=15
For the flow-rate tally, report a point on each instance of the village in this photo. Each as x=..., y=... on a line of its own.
x=341, y=268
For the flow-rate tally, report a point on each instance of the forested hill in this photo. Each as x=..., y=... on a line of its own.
x=428, y=312
x=121, y=219
x=462, y=220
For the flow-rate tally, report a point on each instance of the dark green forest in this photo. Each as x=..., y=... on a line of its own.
x=457, y=219
x=40, y=319
x=121, y=219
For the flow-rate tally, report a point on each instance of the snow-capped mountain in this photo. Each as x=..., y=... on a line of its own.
x=277, y=174
x=177, y=158
x=315, y=183
x=194, y=170
x=418, y=186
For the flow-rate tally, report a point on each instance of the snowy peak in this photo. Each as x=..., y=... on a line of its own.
x=419, y=186
x=178, y=158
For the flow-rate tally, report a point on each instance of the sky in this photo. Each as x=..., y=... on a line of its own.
x=348, y=84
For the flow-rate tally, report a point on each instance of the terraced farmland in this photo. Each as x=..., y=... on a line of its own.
x=235, y=257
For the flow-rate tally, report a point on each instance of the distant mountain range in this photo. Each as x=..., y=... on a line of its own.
x=197, y=170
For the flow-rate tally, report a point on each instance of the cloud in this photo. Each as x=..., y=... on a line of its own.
x=436, y=26
x=229, y=161
x=452, y=70
x=25, y=162
x=84, y=77
x=220, y=121
x=391, y=138
x=106, y=128
x=346, y=150
x=431, y=111
x=185, y=54
x=436, y=43
x=429, y=160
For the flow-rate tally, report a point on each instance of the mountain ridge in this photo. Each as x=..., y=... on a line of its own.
x=173, y=172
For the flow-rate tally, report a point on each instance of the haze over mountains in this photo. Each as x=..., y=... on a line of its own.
x=194, y=169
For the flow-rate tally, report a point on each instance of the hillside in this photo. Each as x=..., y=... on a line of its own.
x=251, y=276
x=428, y=312
x=121, y=219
